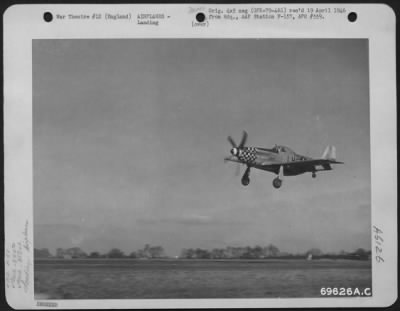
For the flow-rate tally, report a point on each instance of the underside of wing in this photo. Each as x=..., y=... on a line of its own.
x=314, y=162
x=232, y=159
x=300, y=166
x=301, y=163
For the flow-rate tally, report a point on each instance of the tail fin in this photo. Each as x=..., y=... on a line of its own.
x=329, y=153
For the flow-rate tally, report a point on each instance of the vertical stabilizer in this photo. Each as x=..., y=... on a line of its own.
x=329, y=153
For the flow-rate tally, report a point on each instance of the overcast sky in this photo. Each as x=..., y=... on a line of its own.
x=130, y=135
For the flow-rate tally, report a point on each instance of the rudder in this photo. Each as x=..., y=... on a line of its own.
x=329, y=153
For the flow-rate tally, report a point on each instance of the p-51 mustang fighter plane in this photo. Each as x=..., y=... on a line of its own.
x=280, y=160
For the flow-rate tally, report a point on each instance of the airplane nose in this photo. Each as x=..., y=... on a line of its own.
x=233, y=151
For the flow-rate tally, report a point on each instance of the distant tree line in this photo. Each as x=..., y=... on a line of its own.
x=147, y=252
x=42, y=253
x=229, y=252
x=247, y=252
x=270, y=251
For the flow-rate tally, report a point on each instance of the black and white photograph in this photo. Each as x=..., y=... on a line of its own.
x=132, y=198
x=188, y=162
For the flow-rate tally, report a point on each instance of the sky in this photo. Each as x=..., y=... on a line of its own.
x=129, y=138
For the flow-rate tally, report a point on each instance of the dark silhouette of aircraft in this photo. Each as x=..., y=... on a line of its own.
x=280, y=160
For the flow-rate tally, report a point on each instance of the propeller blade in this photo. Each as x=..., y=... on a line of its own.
x=230, y=139
x=243, y=141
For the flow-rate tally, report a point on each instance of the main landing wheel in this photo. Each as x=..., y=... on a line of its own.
x=245, y=181
x=245, y=178
x=314, y=175
x=277, y=183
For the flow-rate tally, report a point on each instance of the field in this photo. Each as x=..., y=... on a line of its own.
x=129, y=279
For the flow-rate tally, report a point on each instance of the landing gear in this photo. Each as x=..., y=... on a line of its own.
x=246, y=178
x=277, y=183
x=314, y=175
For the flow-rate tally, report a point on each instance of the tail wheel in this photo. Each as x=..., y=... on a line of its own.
x=277, y=183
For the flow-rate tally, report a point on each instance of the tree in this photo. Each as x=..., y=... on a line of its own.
x=235, y=252
x=314, y=252
x=41, y=253
x=188, y=253
x=133, y=255
x=217, y=253
x=94, y=255
x=202, y=253
x=271, y=251
x=257, y=252
x=76, y=252
x=156, y=251
x=360, y=252
x=228, y=252
x=248, y=254
x=146, y=251
x=150, y=252
x=115, y=253
x=73, y=252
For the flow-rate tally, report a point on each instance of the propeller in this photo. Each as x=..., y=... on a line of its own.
x=242, y=141
x=230, y=139
x=236, y=148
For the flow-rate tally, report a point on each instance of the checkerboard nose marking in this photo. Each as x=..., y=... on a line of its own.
x=248, y=155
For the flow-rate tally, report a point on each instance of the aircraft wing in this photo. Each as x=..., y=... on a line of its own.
x=232, y=159
x=309, y=163
x=274, y=165
x=315, y=162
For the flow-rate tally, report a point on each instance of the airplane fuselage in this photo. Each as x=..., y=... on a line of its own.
x=266, y=159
